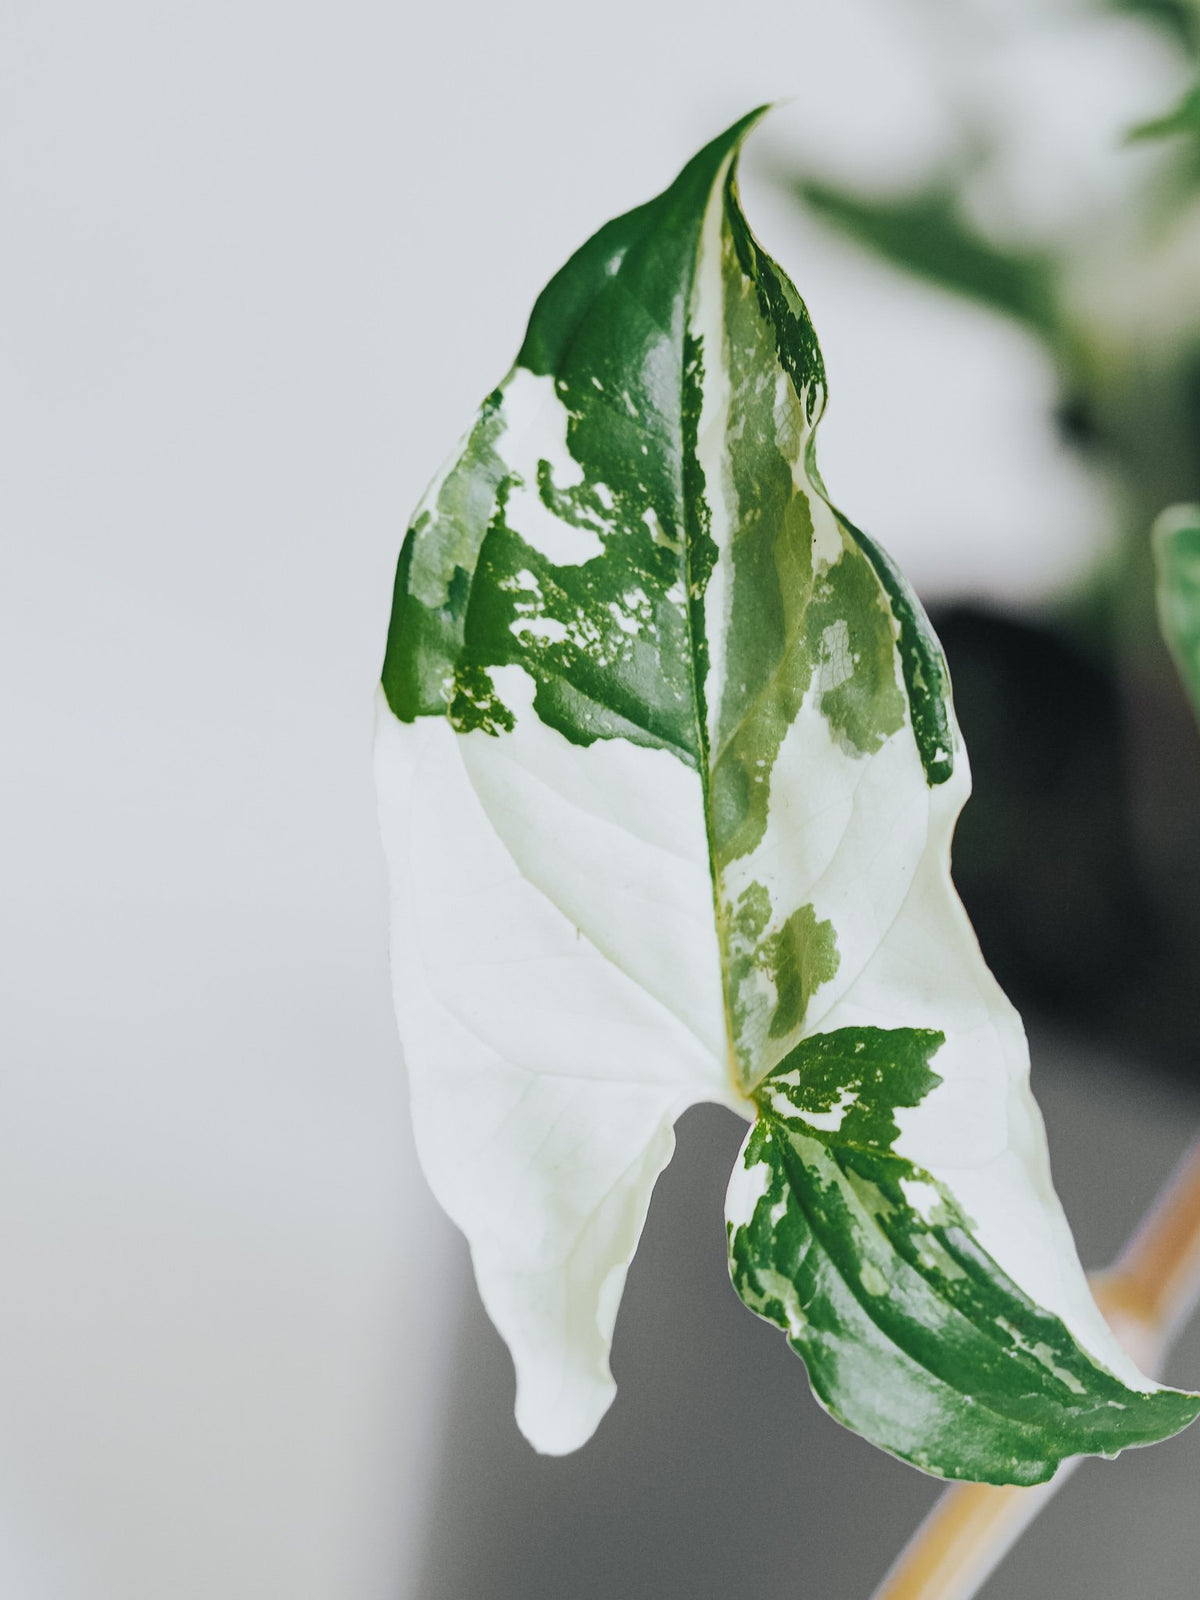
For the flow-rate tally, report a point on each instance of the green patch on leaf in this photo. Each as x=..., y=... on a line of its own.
x=770, y=657
x=926, y=676
x=911, y=1334
x=851, y=626
x=475, y=704
x=435, y=570
x=800, y=958
x=772, y=976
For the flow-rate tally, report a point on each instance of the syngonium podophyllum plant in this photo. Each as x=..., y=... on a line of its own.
x=668, y=773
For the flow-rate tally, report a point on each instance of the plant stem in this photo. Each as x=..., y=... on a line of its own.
x=1146, y=1295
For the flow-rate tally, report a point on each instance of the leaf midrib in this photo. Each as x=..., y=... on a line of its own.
x=717, y=196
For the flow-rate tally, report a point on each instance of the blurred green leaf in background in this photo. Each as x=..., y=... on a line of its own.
x=1079, y=857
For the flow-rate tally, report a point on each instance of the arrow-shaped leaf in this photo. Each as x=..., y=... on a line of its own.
x=668, y=773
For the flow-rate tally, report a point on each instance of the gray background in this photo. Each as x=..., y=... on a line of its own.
x=259, y=262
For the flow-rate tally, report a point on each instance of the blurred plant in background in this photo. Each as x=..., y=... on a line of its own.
x=1079, y=857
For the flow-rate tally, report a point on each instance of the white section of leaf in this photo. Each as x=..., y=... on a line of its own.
x=551, y=933
x=830, y=1121
x=613, y=834
x=650, y=518
x=922, y=1197
x=749, y=1184
x=536, y=430
x=839, y=838
x=979, y=1132
x=828, y=543
x=1043, y=1353
x=873, y=1280
x=548, y=628
x=836, y=664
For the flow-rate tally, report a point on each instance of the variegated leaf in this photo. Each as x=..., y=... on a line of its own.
x=668, y=772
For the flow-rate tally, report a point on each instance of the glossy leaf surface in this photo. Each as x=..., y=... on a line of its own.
x=668, y=772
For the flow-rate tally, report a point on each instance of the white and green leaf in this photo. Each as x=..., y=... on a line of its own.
x=668, y=774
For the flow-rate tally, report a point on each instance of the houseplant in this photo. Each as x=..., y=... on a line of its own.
x=668, y=772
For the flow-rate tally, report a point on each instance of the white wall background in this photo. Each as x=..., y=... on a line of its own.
x=258, y=263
